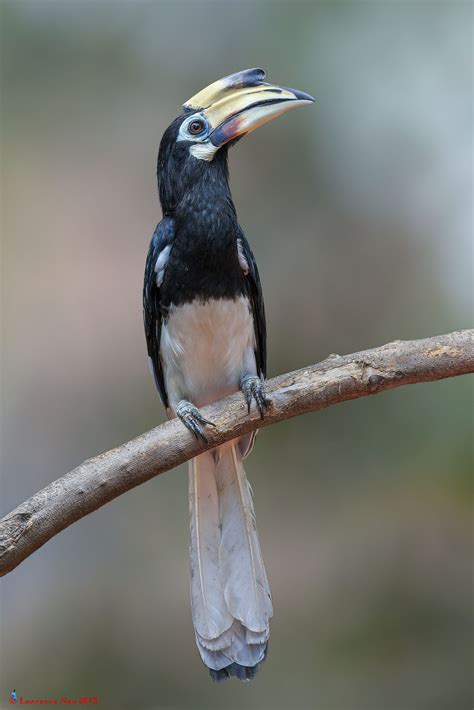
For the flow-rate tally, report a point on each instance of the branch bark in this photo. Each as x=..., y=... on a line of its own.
x=336, y=379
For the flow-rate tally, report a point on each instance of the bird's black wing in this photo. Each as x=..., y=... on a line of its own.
x=254, y=292
x=152, y=313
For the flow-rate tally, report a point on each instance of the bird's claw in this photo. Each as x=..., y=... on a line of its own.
x=192, y=419
x=254, y=388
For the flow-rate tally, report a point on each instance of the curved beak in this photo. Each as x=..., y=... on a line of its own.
x=240, y=103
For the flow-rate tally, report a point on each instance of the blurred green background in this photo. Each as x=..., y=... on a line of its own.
x=358, y=211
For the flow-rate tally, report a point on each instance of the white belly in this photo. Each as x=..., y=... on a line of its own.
x=205, y=349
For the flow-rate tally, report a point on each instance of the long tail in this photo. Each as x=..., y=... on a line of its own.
x=230, y=595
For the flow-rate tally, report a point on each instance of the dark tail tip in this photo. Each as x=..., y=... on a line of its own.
x=243, y=673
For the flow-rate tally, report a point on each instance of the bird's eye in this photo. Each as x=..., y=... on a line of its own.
x=196, y=127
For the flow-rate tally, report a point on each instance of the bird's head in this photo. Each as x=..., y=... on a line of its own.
x=212, y=120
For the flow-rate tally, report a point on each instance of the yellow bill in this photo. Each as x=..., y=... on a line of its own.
x=240, y=103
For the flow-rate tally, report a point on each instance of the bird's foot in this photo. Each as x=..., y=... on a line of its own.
x=254, y=388
x=192, y=419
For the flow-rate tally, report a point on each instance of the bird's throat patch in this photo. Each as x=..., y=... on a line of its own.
x=203, y=151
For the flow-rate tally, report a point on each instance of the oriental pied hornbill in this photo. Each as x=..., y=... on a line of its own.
x=205, y=330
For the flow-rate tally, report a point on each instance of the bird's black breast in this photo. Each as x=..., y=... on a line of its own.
x=203, y=262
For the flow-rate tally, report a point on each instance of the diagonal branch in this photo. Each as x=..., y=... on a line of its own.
x=338, y=378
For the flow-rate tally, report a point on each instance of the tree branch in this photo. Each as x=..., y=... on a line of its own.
x=338, y=378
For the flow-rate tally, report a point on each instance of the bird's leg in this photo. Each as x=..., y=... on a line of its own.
x=254, y=388
x=192, y=419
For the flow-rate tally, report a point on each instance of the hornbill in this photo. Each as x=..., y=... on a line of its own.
x=205, y=329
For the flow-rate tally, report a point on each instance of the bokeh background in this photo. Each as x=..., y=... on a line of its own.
x=358, y=210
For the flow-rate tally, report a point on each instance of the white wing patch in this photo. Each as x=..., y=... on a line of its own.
x=244, y=265
x=161, y=263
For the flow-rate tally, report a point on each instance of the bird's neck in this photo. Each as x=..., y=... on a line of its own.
x=204, y=260
x=206, y=211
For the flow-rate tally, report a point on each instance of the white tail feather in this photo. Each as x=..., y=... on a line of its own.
x=231, y=600
x=246, y=589
x=210, y=614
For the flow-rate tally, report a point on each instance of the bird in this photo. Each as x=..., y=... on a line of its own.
x=205, y=330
